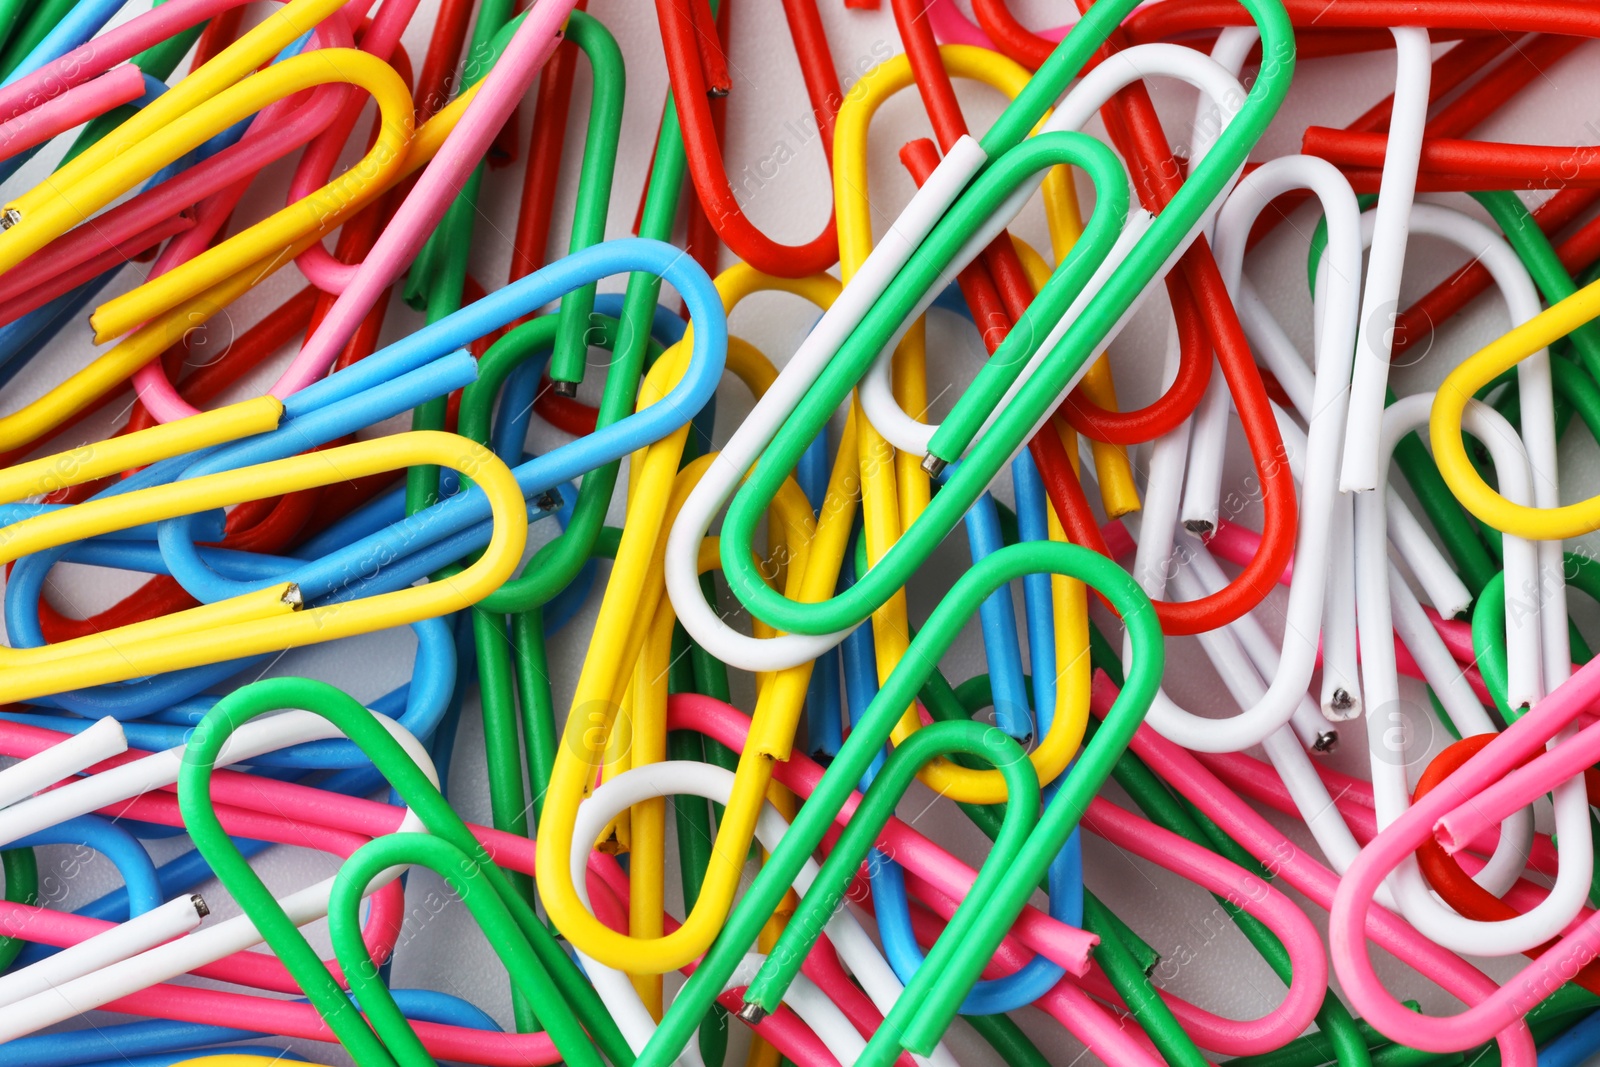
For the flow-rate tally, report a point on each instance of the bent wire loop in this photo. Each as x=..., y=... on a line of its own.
x=964, y=950
x=132, y=724
x=993, y=449
x=271, y=619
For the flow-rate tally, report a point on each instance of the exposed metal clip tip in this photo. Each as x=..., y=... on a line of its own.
x=752, y=1013
x=933, y=466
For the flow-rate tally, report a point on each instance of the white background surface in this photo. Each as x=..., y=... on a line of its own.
x=766, y=108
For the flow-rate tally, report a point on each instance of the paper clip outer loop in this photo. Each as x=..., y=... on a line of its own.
x=1450, y=405
x=269, y=620
x=626, y=612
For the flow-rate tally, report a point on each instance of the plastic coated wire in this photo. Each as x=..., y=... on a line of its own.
x=875, y=587
x=650, y=637
x=861, y=747
x=625, y=617
x=909, y=484
x=257, y=622
x=710, y=177
x=466, y=875
x=769, y=984
x=1444, y=425
x=991, y=190
x=461, y=516
x=162, y=1043
x=357, y=724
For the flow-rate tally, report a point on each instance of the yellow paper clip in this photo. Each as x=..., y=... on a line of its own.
x=268, y=620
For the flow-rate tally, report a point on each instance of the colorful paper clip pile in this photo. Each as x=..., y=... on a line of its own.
x=1366, y=753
